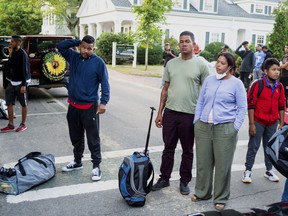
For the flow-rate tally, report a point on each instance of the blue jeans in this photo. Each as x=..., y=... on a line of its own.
x=285, y=192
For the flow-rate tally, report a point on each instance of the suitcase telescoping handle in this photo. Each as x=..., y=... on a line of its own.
x=149, y=129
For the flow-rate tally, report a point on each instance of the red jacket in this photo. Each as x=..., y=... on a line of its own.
x=268, y=104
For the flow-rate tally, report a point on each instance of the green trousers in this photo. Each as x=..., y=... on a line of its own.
x=215, y=147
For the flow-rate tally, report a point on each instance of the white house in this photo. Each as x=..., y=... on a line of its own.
x=228, y=21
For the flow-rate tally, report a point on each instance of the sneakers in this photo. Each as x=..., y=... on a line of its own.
x=269, y=174
x=8, y=128
x=184, y=188
x=72, y=166
x=96, y=174
x=21, y=127
x=161, y=183
x=247, y=176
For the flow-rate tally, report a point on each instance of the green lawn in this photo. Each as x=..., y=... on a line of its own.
x=152, y=71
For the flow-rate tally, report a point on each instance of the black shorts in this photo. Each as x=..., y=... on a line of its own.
x=13, y=92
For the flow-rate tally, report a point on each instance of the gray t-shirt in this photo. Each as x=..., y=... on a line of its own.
x=185, y=78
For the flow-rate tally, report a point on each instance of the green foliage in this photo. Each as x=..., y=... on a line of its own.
x=104, y=44
x=20, y=17
x=279, y=36
x=155, y=55
x=67, y=10
x=211, y=51
x=150, y=16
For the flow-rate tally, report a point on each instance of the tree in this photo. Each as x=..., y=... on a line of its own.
x=17, y=17
x=66, y=10
x=279, y=36
x=150, y=16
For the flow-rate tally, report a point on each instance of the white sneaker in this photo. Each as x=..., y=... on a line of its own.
x=247, y=177
x=271, y=176
x=96, y=174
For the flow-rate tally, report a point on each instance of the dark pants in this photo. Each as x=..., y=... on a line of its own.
x=244, y=76
x=177, y=126
x=13, y=92
x=265, y=132
x=80, y=121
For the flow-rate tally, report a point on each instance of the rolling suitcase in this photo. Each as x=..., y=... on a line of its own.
x=136, y=175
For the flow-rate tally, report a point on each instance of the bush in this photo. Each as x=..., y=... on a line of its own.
x=155, y=55
x=211, y=51
x=104, y=44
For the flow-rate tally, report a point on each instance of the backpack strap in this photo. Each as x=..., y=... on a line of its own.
x=260, y=87
x=32, y=156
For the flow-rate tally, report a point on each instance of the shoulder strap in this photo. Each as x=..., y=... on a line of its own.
x=260, y=87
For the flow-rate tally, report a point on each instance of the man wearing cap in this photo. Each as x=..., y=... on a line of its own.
x=225, y=48
x=247, y=64
x=268, y=52
x=168, y=54
x=259, y=59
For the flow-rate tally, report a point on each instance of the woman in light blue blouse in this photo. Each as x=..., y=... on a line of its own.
x=220, y=112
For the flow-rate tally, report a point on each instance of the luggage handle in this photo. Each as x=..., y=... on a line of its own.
x=149, y=129
x=31, y=155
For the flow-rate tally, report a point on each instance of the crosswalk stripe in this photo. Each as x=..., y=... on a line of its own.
x=115, y=154
x=69, y=190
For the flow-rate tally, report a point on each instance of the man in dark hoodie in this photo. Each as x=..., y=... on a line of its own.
x=268, y=52
x=248, y=62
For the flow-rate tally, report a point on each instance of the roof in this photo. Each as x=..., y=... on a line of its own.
x=224, y=9
x=121, y=3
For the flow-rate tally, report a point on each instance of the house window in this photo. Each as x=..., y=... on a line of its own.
x=209, y=5
x=215, y=37
x=260, y=39
x=138, y=2
x=259, y=9
x=268, y=10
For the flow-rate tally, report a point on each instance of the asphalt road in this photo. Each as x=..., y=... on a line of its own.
x=123, y=130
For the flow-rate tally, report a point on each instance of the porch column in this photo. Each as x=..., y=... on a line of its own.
x=117, y=26
x=82, y=31
x=91, y=29
x=99, y=29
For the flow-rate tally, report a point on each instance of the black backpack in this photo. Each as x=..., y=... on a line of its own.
x=136, y=175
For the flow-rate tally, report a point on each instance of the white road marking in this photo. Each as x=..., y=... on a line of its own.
x=69, y=190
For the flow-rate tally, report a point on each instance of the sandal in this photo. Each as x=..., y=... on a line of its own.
x=219, y=206
x=195, y=198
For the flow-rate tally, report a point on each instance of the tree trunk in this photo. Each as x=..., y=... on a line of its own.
x=146, y=56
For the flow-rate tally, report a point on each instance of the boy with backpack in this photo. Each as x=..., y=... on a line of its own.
x=266, y=105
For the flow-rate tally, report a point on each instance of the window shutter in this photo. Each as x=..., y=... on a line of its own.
x=215, y=6
x=223, y=37
x=266, y=10
x=201, y=5
x=252, y=8
x=185, y=5
x=207, y=38
x=254, y=39
x=269, y=10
